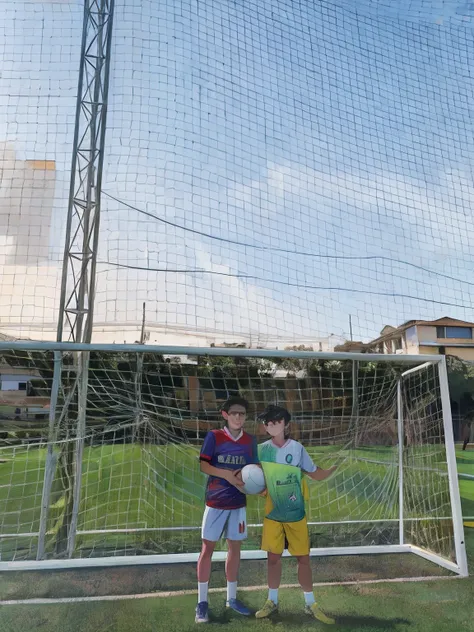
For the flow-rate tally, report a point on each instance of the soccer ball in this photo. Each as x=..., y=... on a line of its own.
x=253, y=479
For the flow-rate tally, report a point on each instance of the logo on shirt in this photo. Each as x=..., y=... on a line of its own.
x=231, y=459
x=291, y=479
x=289, y=458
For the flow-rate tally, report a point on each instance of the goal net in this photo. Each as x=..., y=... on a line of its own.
x=272, y=168
x=110, y=468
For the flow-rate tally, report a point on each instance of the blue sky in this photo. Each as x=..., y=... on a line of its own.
x=310, y=161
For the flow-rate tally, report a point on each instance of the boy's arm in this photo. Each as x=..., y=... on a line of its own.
x=320, y=474
x=231, y=476
x=314, y=472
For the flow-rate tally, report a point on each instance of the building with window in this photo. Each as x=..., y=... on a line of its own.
x=18, y=398
x=447, y=336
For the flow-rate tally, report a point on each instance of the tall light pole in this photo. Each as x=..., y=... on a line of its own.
x=76, y=310
x=83, y=218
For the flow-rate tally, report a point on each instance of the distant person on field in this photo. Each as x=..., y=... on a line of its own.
x=466, y=431
x=224, y=453
x=285, y=525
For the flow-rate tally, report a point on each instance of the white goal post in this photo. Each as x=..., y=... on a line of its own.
x=99, y=467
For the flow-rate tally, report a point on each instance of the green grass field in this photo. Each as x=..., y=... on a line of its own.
x=435, y=606
x=150, y=486
x=432, y=607
x=441, y=605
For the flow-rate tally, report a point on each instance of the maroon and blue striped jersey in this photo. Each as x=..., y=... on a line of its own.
x=221, y=450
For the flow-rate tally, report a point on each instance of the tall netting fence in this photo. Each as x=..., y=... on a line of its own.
x=273, y=169
x=139, y=488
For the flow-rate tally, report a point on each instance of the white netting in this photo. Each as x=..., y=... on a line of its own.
x=271, y=168
x=141, y=490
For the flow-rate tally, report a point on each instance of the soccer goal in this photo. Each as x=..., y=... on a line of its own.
x=99, y=458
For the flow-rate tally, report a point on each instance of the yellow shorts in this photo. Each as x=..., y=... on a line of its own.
x=277, y=536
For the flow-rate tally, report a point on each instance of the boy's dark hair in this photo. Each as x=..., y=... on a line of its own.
x=235, y=401
x=274, y=413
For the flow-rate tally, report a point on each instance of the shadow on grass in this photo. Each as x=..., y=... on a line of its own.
x=289, y=620
x=370, y=622
x=222, y=618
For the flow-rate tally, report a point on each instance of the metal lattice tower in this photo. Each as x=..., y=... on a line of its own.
x=80, y=259
x=83, y=220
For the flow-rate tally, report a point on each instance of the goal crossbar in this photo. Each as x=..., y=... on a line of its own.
x=220, y=351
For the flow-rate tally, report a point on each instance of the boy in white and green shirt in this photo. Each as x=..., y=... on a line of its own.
x=285, y=526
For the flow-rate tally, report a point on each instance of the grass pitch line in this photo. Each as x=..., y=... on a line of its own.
x=183, y=593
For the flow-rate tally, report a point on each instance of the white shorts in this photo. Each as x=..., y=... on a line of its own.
x=228, y=523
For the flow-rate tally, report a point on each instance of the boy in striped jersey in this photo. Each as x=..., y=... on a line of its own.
x=224, y=453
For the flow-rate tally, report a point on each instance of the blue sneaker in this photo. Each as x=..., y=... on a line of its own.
x=238, y=606
x=202, y=612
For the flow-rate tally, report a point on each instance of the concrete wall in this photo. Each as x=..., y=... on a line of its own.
x=8, y=385
x=411, y=341
x=27, y=194
x=426, y=334
x=428, y=350
x=465, y=353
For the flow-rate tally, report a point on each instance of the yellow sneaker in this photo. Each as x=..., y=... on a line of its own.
x=316, y=612
x=268, y=608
